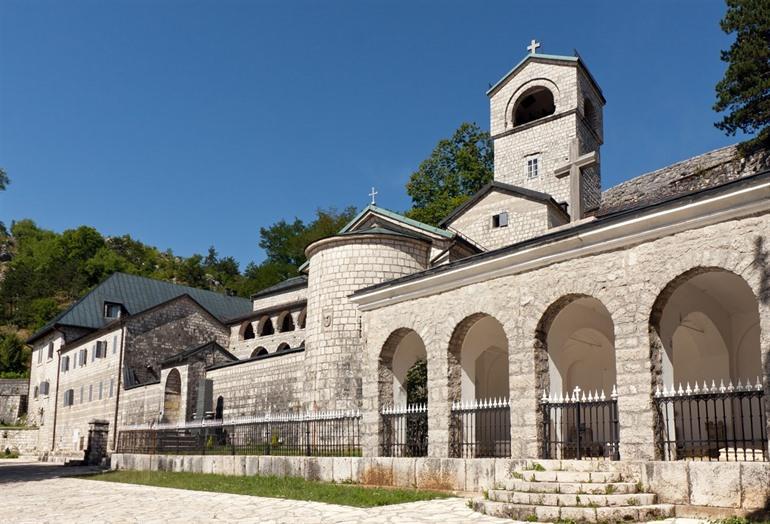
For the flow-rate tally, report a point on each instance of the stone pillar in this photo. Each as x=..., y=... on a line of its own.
x=97, y=441
x=438, y=399
x=634, y=380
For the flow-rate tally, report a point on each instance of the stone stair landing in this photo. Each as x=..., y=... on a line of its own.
x=587, y=491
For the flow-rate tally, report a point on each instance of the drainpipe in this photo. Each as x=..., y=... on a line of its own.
x=117, y=391
x=56, y=395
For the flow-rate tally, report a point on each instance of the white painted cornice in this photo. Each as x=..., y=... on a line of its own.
x=646, y=226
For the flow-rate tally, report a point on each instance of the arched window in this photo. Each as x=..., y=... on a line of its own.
x=536, y=102
x=260, y=351
x=248, y=331
x=220, y=408
x=286, y=322
x=302, y=319
x=283, y=347
x=265, y=326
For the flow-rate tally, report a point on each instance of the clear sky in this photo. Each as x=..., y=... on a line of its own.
x=192, y=123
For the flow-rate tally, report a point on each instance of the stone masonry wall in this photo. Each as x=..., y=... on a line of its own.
x=338, y=267
x=140, y=405
x=627, y=282
x=526, y=219
x=13, y=399
x=252, y=388
x=22, y=441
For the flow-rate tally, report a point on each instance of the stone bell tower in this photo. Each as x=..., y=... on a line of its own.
x=546, y=124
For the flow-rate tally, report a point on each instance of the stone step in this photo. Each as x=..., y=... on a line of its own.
x=572, y=465
x=611, y=515
x=568, y=476
x=572, y=499
x=594, y=488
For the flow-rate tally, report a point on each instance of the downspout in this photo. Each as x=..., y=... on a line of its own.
x=56, y=395
x=117, y=392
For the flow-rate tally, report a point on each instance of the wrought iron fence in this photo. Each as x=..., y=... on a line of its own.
x=404, y=431
x=722, y=423
x=334, y=433
x=580, y=426
x=480, y=428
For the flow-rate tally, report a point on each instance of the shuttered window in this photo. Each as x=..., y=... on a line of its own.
x=90, y=392
x=114, y=344
x=112, y=386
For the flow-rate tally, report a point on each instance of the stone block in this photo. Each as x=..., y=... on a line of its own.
x=504, y=468
x=154, y=459
x=479, y=474
x=404, y=472
x=252, y=466
x=715, y=484
x=227, y=465
x=207, y=464
x=755, y=485
x=357, y=467
x=443, y=474
x=377, y=471
x=342, y=469
x=669, y=480
x=239, y=465
x=265, y=465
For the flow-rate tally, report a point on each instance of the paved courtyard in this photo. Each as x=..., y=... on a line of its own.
x=37, y=492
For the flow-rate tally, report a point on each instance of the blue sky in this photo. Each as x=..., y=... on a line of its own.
x=192, y=123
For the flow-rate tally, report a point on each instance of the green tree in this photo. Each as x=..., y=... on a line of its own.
x=744, y=92
x=13, y=356
x=4, y=180
x=456, y=169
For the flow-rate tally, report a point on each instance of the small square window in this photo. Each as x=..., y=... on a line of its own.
x=112, y=310
x=500, y=220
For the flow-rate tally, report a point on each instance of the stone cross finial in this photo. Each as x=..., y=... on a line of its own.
x=575, y=163
x=373, y=194
x=532, y=47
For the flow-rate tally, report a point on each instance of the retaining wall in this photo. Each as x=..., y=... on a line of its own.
x=23, y=441
x=695, y=487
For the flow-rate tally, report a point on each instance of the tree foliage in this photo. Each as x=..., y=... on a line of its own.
x=13, y=356
x=456, y=169
x=744, y=92
x=4, y=180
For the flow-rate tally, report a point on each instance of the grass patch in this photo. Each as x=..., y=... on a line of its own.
x=277, y=487
x=9, y=454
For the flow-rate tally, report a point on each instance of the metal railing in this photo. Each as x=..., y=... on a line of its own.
x=333, y=433
x=480, y=428
x=721, y=423
x=404, y=431
x=580, y=426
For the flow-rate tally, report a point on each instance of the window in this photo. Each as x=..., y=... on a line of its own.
x=101, y=349
x=40, y=355
x=50, y=350
x=533, y=166
x=112, y=310
x=69, y=397
x=90, y=392
x=83, y=357
x=500, y=220
x=81, y=394
x=44, y=387
x=65, y=363
x=101, y=392
x=114, y=344
x=112, y=386
x=533, y=104
x=37, y=390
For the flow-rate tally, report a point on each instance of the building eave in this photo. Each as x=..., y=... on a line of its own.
x=736, y=199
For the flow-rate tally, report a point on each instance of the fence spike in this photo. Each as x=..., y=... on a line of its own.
x=603, y=398
x=730, y=386
x=758, y=387
x=689, y=389
x=544, y=398
x=739, y=387
x=722, y=387
x=696, y=390
x=614, y=394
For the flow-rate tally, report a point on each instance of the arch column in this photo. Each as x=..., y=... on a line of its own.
x=438, y=398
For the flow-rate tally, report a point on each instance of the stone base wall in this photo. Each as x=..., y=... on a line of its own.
x=23, y=441
x=699, y=488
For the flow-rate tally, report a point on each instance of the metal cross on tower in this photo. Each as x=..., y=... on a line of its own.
x=532, y=47
x=575, y=163
x=373, y=194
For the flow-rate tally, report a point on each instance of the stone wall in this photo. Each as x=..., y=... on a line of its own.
x=697, y=486
x=13, y=399
x=23, y=441
x=338, y=267
x=258, y=386
x=141, y=404
x=627, y=282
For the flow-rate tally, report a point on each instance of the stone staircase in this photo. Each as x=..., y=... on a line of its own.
x=587, y=491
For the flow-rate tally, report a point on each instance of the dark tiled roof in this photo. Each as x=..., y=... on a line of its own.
x=137, y=294
x=694, y=174
x=281, y=287
x=378, y=230
x=522, y=192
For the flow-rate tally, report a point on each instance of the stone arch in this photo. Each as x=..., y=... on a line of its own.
x=172, y=397
x=302, y=319
x=402, y=349
x=533, y=104
x=259, y=352
x=283, y=346
x=265, y=326
x=285, y=322
x=589, y=114
x=704, y=327
x=247, y=331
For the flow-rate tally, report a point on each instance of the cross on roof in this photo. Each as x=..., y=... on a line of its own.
x=373, y=194
x=532, y=47
x=573, y=167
